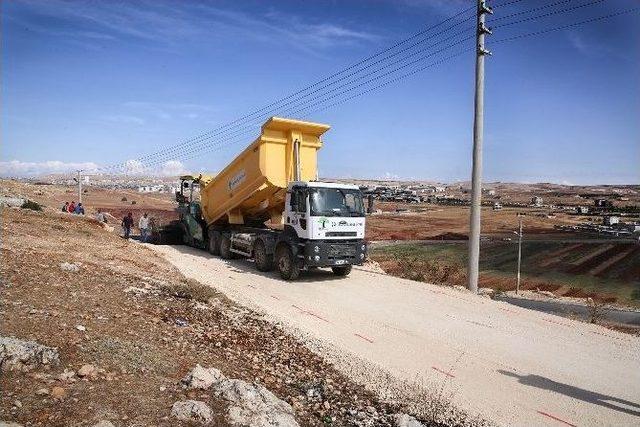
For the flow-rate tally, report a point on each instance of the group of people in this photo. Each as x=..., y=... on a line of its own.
x=73, y=208
x=144, y=224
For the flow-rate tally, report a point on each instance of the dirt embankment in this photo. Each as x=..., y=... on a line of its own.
x=117, y=306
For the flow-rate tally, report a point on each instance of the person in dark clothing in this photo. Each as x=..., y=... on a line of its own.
x=127, y=223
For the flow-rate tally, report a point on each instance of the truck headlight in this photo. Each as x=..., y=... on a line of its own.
x=317, y=257
x=363, y=247
x=316, y=249
x=361, y=256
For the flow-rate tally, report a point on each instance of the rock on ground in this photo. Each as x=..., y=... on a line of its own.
x=15, y=353
x=69, y=266
x=404, y=420
x=104, y=423
x=192, y=410
x=254, y=405
x=202, y=378
x=250, y=405
x=9, y=424
x=87, y=371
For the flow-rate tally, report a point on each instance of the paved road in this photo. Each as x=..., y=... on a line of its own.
x=514, y=366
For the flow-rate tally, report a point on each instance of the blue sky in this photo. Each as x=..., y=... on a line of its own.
x=95, y=82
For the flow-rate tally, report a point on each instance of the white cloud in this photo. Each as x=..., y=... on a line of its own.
x=134, y=167
x=16, y=168
x=170, y=24
x=172, y=167
x=168, y=168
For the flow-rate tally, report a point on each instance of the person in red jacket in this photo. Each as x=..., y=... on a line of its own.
x=72, y=207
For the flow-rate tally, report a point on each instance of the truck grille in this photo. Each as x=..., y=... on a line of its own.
x=341, y=234
x=341, y=251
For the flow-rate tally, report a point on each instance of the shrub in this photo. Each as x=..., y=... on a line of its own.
x=124, y=199
x=30, y=204
x=133, y=202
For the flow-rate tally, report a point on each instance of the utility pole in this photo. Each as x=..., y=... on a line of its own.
x=519, y=255
x=79, y=179
x=476, y=173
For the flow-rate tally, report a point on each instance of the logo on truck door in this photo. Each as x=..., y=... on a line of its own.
x=237, y=180
x=323, y=222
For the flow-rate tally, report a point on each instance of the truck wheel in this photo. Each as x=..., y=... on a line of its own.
x=214, y=243
x=264, y=261
x=225, y=247
x=342, y=270
x=287, y=263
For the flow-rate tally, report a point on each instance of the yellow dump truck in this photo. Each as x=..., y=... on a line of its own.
x=268, y=204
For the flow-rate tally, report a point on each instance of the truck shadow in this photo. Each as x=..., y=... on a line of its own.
x=241, y=265
x=611, y=402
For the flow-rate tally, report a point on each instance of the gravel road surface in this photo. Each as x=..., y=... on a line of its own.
x=510, y=365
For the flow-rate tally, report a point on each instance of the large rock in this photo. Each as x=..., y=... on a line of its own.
x=203, y=378
x=404, y=420
x=15, y=353
x=250, y=405
x=255, y=406
x=192, y=410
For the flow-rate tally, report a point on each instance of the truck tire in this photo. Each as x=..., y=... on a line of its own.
x=225, y=247
x=214, y=243
x=342, y=270
x=287, y=264
x=264, y=261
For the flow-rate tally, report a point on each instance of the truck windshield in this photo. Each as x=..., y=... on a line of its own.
x=336, y=202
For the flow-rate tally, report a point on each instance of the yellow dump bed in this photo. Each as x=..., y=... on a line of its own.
x=253, y=186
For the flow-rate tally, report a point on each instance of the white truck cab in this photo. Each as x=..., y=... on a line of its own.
x=328, y=220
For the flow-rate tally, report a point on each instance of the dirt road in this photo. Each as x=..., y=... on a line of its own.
x=510, y=365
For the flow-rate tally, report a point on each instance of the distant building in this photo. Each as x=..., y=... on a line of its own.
x=151, y=189
x=497, y=206
x=610, y=220
x=582, y=210
x=602, y=203
x=536, y=201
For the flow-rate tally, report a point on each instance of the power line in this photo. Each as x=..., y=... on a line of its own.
x=546, y=15
x=363, y=61
x=198, y=151
x=204, y=137
x=564, y=27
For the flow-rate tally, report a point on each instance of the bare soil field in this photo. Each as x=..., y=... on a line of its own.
x=432, y=222
x=114, y=304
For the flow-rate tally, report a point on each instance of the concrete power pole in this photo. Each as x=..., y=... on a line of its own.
x=476, y=173
x=519, y=256
x=79, y=185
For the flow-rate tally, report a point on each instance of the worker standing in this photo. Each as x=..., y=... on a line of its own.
x=143, y=225
x=127, y=223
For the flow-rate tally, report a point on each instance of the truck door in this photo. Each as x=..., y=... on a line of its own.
x=298, y=211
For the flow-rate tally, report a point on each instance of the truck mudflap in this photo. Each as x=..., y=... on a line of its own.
x=331, y=253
